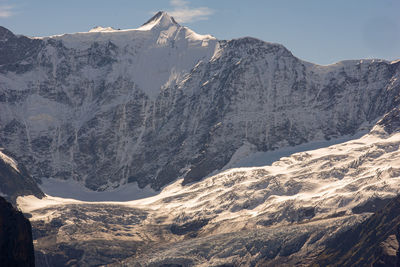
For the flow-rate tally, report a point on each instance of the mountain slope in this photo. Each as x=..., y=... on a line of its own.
x=159, y=102
x=374, y=242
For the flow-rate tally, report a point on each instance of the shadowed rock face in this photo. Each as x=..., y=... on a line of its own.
x=391, y=121
x=16, y=246
x=15, y=180
x=375, y=242
x=14, y=49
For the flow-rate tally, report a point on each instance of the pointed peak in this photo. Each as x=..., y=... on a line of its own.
x=161, y=19
x=5, y=34
x=161, y=16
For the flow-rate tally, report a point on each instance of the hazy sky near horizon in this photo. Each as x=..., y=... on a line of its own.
x=318, y=31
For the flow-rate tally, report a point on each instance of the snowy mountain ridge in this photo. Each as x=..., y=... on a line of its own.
x=152, y=104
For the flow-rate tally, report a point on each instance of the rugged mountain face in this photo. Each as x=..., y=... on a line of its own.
x=16, y=245
x=160, y=102
x=15, y=180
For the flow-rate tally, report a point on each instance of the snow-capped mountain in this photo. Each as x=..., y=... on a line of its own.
x=152, y=104
x=287, y=155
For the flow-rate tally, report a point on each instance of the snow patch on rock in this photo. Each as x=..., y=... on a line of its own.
x=71, y=189
x=8, y=160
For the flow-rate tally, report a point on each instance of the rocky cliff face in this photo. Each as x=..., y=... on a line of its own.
x=160, y=102
x=375, y=242
x=16, y=246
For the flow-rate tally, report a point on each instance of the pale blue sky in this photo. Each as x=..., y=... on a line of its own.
x=319, y=31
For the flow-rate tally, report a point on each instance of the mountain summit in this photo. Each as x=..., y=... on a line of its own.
x=160, y=19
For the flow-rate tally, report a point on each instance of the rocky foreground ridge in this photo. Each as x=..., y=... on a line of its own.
x=375, y=242
x=16, y=244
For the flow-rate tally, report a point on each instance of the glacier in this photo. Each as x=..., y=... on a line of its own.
x=283, y=213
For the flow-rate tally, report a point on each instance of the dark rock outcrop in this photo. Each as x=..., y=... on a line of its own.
x=16, y=245
x=15, y=180
x=190, y=228
x=14, y=49
x=391, y=121
x=375, y=242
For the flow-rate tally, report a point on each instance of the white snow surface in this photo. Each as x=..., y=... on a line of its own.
x=248, y=156
x=102, y=29
x=72, y=189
